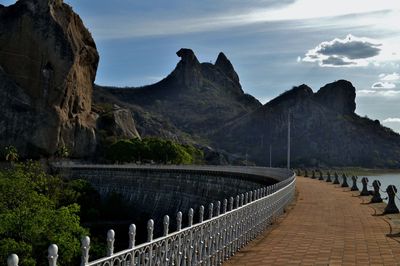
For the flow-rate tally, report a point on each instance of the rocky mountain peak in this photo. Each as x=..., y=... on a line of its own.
x=188, y=70
x=226, y=67
x=290, y=97
x=339, y=96
x=187, y=56
x=59, y=60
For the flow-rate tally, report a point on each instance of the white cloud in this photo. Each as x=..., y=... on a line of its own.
x=383, y=85
x=390, y=77
x=378, y=93
x=348, y=52
x=391, y=120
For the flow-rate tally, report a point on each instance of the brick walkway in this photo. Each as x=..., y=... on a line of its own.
x=325, y=227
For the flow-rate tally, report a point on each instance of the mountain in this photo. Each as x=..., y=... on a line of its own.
x=195, y=98
x=48, y=62
x=325, y=131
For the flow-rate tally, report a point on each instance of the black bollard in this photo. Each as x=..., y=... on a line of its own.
x=376, y=198
x=336, y=180
x=344, y=181
x=354, y=187
x=328, y=179
x=305, y=173
x=321, y=177
x=364, y=191
x=391, y=207
x=313, y=174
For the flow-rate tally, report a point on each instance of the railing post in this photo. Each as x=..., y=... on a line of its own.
x=354, y=186
x=166, y=225
x=364, y=191
x=328, y=179
x=391, y=207
x=376, y=198
x=225, y=206
x=210, y=211
x=12, y=260
x=85, y=247
x=246, y=198
x=230, y=203
x=179, y=221
x=344, y=182
x=110, y=242
x=313, y=174
x=52, y=255
x=305, y=173
x=150, y=229
x=218, y=208
x=241, y=200
x=190, y=217
x=132, y=235
x=321, y=177
x=336, y=180
x=201, y=214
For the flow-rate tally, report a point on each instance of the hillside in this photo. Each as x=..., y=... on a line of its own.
x=196, y=98
x=325, y=130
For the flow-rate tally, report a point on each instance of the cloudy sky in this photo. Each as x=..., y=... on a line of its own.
x=273, y=44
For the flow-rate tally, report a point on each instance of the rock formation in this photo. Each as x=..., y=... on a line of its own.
x=48, y=63
x=196, y=98
x=325, y=131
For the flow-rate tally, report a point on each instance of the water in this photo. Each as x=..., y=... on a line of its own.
x=386, y=180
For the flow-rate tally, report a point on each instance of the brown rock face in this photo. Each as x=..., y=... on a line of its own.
x=48, y=65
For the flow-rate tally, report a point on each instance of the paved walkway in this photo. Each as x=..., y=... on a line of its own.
x=326, y=226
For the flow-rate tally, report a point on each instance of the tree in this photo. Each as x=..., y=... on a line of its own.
x=11, y=154
x=32, y=217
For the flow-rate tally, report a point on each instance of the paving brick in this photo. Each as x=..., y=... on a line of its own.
x=326, y=226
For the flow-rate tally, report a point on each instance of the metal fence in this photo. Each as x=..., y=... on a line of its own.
x=223, y=229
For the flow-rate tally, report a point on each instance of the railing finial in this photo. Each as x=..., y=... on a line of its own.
x=190, y=217
x=110, y=242
x=179, y=221
x=12, y=260
x=52, y=254
x=211, y=210
x=85, y=247
x=218, y=208
x=150, y=229
x=132, y=235
x=166, y=225
x=225, y=206
x=201, y=214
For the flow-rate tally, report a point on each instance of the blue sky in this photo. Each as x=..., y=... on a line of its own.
x=273, y=44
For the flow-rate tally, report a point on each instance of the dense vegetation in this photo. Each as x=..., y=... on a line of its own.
x=155, y=150
x=37, y=209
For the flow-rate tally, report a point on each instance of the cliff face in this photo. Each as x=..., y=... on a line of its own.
x=48, y=64
x=324, y=131
x=197, y=98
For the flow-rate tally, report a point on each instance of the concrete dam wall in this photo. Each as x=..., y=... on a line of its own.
x=154, y=191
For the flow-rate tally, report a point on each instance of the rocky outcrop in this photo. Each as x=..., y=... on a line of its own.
x=49, y=62
x=117, y=122
x=325, y=131
x=339, y=95
x=196, y=98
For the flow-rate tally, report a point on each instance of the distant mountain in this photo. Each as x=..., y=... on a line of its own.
x=324, y=131
x=204, y=103
x=197, y=98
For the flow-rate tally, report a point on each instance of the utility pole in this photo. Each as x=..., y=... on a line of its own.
x=288, y=142
x=270, y=155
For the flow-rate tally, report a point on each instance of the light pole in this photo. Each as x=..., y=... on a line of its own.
x=288, y=142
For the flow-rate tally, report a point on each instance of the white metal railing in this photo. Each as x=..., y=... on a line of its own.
x=227, y=227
